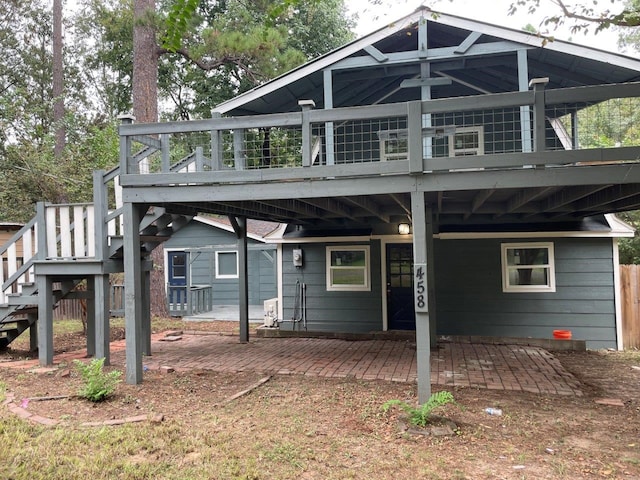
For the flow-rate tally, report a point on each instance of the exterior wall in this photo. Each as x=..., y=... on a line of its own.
x=261, y=265
x=469, y=297
x=470, y=301
x=330, y=310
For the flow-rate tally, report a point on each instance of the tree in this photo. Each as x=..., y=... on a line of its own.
x=145, y=62
x=58, y=79
x=585, y=15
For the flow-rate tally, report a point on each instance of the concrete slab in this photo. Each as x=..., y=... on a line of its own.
x=228, y=312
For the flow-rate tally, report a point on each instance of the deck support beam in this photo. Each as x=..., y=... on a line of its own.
x=132, y=292
x=421, y=293
x=240, y=228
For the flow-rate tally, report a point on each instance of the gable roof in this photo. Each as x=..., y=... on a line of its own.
x=488, y=65
x=256, y=229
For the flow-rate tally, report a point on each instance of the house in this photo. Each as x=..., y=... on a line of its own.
x=440, y=172
x=202, y=259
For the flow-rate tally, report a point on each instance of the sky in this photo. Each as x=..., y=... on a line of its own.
x=373, y=17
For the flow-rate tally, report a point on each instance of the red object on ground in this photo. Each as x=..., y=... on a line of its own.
x=562, y=334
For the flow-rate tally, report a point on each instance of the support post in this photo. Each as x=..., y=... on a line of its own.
x=45, y=294
x=240, y=227
x=525, y=110
x=421, y=294
x=45, y=319
x=91, y=317
x=101, y=307
x=132, y=292
x=431, y=278
x=146, y=311
x=33, y=332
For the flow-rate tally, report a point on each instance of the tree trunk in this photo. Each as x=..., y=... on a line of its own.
x=58, y=80
x=145, y=62
x=145, y=109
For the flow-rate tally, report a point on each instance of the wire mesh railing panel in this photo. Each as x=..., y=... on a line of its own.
x=612, y=123
x=271, y=147
x=362, y=141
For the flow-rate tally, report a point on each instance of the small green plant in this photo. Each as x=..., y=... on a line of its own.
x=97, y=385
x=419, y=416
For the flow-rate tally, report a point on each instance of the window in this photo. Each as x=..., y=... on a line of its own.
x=528, y=267
x=178, y=265
x=348, y=268
x=393, y=145
x=466, y=141
x=227, y=264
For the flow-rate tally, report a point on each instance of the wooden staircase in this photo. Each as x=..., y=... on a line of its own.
x=68, y=243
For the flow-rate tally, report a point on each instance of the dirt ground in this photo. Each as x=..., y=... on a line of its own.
x=538, y=436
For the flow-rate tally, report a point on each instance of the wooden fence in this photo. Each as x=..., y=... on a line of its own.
x=72, y=309
x=630, y=300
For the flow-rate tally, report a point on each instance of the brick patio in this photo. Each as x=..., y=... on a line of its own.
x=494, y=367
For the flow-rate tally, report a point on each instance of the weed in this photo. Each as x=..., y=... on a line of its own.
x=97, y=385
x=419, y=416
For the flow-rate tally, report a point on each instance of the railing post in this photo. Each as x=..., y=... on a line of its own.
x=306, y=106
x=100, y=207
x=125, y=147
x=165, y=154
x=539, y=119
x=41, y=231
x=238, y=149
x=216, y=146
x=414, y=136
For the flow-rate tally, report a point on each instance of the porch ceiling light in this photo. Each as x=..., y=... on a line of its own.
x=404, y=228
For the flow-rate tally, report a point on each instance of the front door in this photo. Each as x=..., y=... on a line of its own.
x=177, y=268
x=400, y=305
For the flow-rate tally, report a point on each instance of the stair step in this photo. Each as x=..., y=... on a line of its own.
x=6, y=332
x=15, y=299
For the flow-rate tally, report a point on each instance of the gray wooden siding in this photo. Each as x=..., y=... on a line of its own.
x=470, y=300
x=330, y=310
x=261, y=265
x=469, y=297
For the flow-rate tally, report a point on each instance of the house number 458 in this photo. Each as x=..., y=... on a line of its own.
x=420, y=286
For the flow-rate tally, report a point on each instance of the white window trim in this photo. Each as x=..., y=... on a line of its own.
x=367, y=269
x=218, y=274
x=551, y=287
x=479, y=150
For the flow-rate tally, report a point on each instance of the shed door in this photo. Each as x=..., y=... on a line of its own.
x=400, y=305
x=177, y=268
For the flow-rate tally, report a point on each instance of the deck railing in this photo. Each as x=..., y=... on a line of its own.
x=507, y=130
x=185, y=301
x=16, y=260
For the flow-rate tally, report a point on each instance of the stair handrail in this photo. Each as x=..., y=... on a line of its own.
x=19, y=273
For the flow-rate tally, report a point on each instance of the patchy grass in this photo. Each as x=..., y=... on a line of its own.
x=305, y=428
